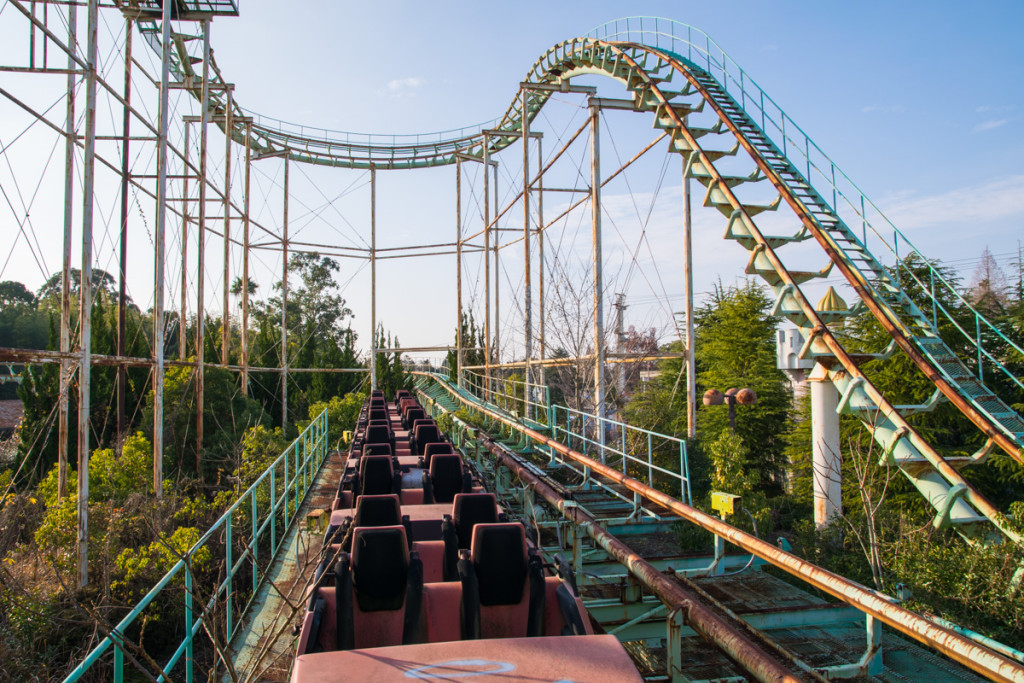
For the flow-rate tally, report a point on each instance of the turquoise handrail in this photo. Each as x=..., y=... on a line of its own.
x=313, y=443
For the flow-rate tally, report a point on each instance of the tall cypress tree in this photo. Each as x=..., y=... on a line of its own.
x=735, y=349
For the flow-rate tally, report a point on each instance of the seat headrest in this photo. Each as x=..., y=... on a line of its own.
x=416, y=422
x=377, y=449
x=413, y=414
x=377, y=511
x=377, y=434
x=470, y=509
x=446, y=476
x=427, y=432
x=376, y=475
x=432, y=449
x=500, y=560
x=369, y=463
x=380, y=567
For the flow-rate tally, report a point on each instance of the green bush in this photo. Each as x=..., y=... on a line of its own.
x=115, y=477
x=138, y=569
x=342, y=414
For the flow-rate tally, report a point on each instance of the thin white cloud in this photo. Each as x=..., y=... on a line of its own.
x=883, y=108
x=967, y=205
x=989, y=125
x=402, y=88
x=995, y=109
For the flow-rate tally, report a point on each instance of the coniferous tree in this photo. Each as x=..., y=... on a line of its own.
x=736, y=348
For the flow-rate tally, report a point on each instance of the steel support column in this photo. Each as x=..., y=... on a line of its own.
x=496, y=231
x=541, y=311
x=487, y=267
x=85, y=293
x=183, y=312
x=691, y=363
x=595, y=216
x=204, y=120
x=245, y=260
x=527, y=293
x=284, y=303
x=458, y=270
x=158, y=256
x=373, y=277
x=122, y=289
x=66, y=367
x=225, y=323
x=827, y=459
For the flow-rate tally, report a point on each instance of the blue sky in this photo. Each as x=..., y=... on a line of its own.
x=919, y=102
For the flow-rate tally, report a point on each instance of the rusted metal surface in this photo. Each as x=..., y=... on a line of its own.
x=40, y=357
x=834, y=345
x=264, y=645
x=885, y=316
x=597, y=264
x=748, y=648
x=956, y=647
x=200, y=331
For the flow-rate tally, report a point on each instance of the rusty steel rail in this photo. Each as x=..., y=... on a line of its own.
x=927, y=632
x=748, y=647
x=882, y=311
x=43, y=357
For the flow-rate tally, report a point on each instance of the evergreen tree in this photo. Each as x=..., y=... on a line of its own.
x=735, y=348
x=472, y=344
x=390, y=371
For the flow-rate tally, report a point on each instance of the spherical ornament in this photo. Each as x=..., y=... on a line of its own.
x=746, y=397
x=713, y=397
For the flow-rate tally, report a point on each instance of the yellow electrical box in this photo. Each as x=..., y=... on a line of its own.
x=347, y=437
x=725, y=503
x=317, y=520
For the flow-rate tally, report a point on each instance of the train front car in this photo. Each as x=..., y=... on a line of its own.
x=424, y=577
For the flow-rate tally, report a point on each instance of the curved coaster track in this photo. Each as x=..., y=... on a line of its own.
x=673, y=72
x=753, y=161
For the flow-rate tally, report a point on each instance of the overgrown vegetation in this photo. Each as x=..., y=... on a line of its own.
x=135, y=538
x=885, y=536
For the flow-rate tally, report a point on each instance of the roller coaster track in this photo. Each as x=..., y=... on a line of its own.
x=646, y=55
x=442, y=394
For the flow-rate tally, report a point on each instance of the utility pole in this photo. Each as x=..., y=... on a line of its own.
x=1020, y=272
x=620, y=344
